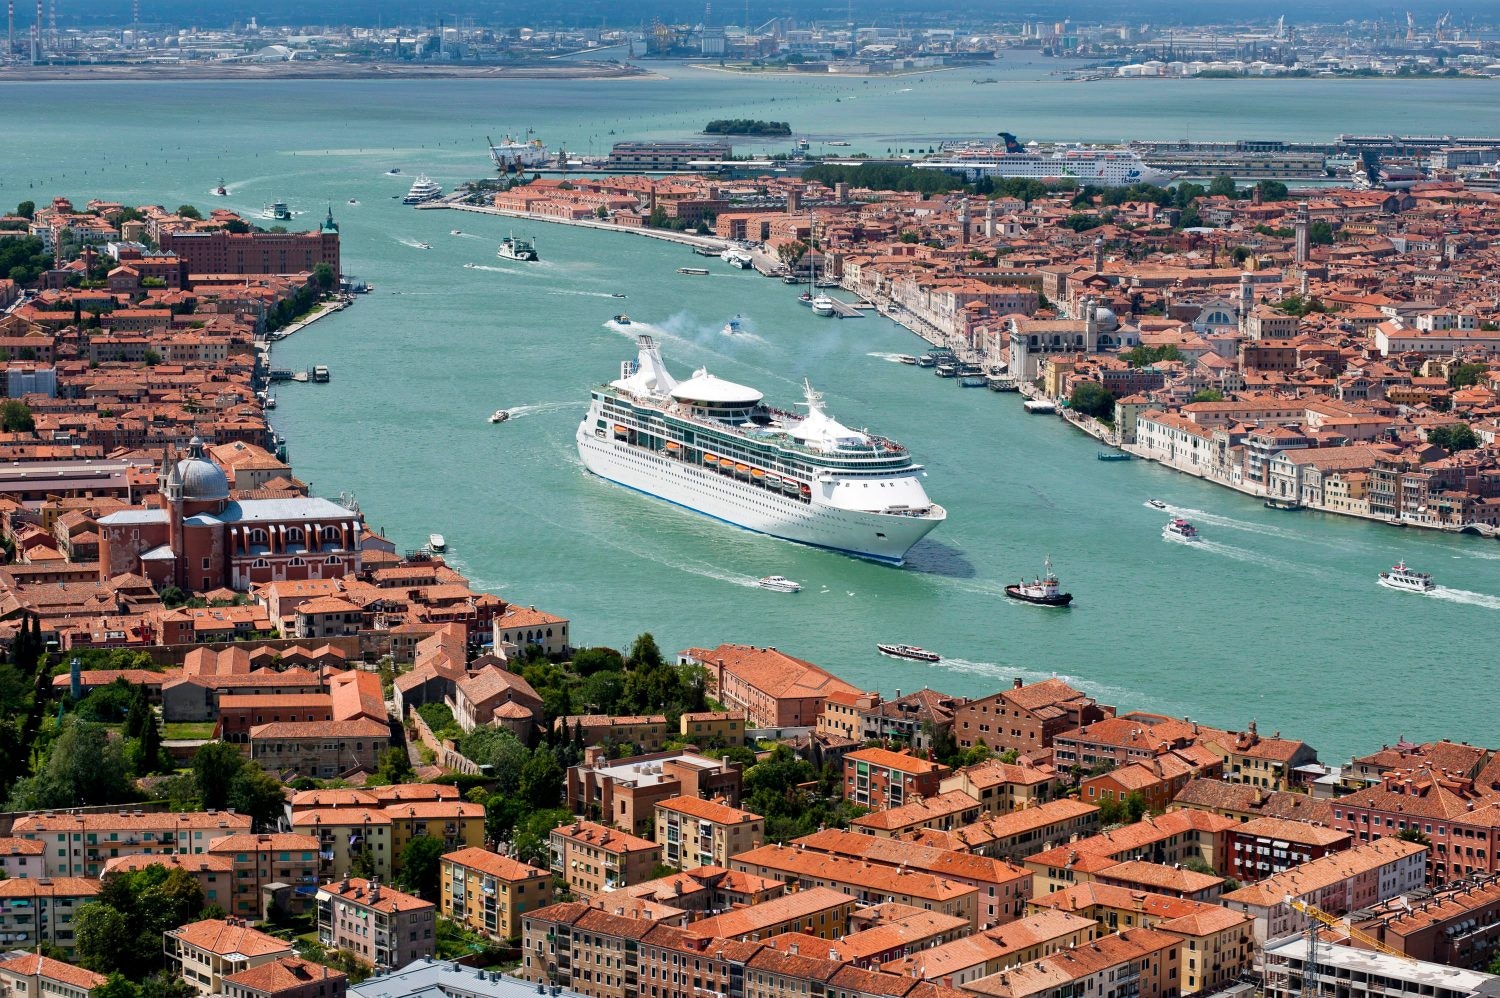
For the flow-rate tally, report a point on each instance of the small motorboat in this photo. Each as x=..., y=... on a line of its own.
x=780, y=584
x=622, y=319
x=805, y=298
x=693, y=271
x=617, y=294
x=471, y=266
x=1401, y=577
x=1156, y=504
x=910, y=652
x=1044, y=591
x=394, y=171
x=220, y=191
x=455, y=232
x=907, y=358
x=436, y=543
x=424, y=245
x=499, y=416
x=354, y=201
x=732, y=327
x=270, y=401
x=1178, y=529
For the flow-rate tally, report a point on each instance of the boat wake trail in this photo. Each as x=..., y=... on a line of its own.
x=583, y=294
x=1466, y=597
x=1250, y=557
x=412, y=243
x=894, y=358
x=1219, y=520
x=494, y=270
x=518, y=411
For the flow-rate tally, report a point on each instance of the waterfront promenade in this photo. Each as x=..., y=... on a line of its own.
x=666, y=235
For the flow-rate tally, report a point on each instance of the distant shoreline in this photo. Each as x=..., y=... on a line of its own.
x=323, y=70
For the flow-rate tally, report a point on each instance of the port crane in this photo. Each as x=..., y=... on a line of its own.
x=1317, y=916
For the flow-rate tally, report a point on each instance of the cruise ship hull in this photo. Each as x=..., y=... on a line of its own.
x=876, y=536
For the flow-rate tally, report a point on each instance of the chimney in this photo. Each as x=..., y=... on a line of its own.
x=1018, y=683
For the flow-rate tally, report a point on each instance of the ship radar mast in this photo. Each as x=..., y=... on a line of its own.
x=812, y=398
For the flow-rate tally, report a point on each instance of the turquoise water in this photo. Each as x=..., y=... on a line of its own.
x=1276, y=617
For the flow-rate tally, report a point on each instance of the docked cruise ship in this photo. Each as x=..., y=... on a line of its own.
x=1104, y=166
x=716, y=448
x=513, y=154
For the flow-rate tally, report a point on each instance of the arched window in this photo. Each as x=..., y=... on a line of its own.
x=332, y=562
x=296, y=563
x=331, y=535
x=258, y=536
x=294, y=535
x=260, y=563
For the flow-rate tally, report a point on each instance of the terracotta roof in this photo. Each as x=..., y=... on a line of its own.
x=376, y=897
x=215, y=935
x=707, y=810
x=500, y=867
x=744, y=921
x=36, y=965
x=1324, y=872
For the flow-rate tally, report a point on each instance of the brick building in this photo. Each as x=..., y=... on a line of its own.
x=1025, y=718
x=382, y=927
x=488, y=893
x=879, y=778
x=219, y=251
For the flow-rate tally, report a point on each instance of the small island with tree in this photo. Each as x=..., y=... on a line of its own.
x=746, y=126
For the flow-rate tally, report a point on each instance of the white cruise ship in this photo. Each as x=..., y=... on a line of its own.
x=714, y=447
x=1102, y=166
x=422, y=189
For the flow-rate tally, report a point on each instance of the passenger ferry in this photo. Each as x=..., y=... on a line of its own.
x=1401, y=577
x=716, y=448
x=910, y=652
x=512, y=248
x=1178, y=529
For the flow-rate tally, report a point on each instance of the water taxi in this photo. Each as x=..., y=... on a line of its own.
x=1178, y=529
x=780, y=584
x=1156, y=504
x=622, y=319
x=499, y=416
x=907, y=359
x=437, y=543
x=1403, y=578
x=910, y=652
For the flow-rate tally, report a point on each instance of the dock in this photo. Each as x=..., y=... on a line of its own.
x=844, y=310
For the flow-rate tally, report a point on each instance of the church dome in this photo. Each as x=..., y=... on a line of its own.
x=1108, y=321
x=201, y=479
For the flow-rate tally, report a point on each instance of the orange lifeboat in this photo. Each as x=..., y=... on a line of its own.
x=757, y=473
x=673, y=445
x=710, y=459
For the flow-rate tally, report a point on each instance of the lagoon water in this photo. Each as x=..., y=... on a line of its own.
x=1276, y=617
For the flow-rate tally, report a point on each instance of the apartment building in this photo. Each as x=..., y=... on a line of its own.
x=321, y=750
x=817, y=911
x=1358, y=973
x=288, y=977
x=592, y=858
x=1019, y=834
x=258, y=860
x=773, y=689
x=878, y=778
x=1001, y=786
x=213, y=874
x=869, y=883
x=346, y=832
x=22, y=857
x=1025, y=717
x=488, y=893
x=1457, y=925
x=713, y=727
x=694, y=832
x=646, y=732
x=625, y=792
x=1170, y=840
x=33, y=912
x=944, y=812
x=1338, y=883
x=204, y=953
x=1138, y=963
x=35, y=976
x=78, y=845
x=1265, y=847
x=457, y=824
x=1025, y=940
x=382, y=927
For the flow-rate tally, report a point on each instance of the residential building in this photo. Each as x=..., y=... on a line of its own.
x=1260, y=762
x=1119, y=741
x=35, y=976
x=495, y=696
x=259, y=860
x=321, y=750
x=488, y=893
x=1001, y=786
x=1136, y=963
x=990, y=951
x=695, y=832
x=525, y=627
x=382, y=927
x=1458, y=925
x=343, y=833
x=1025, y=717
x=1341, y=882
x=645, y=733
x=912, y=721
x=816, y=911
x=774, y=689
x=1170, y=840
x=592, y=858
x=1156, y=781
x=944, y=812
x=36, y=912
x=457, y=824
x=213, y=874
x=1358, y=973
x=869, y=883
x=625, y=792
x=1265, y=847
x=78, y=845
x=713, y=728
x=204, y=953
x=288, y=977
x=1019, y=834
x=1458, y=817
x=879, y=778
x=22, y=857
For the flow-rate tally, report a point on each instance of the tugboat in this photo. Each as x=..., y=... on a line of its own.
x=622, y=319
x=1403, y=578
x=221, y=191
x=1043, y=591
x=1178, y=529
x=499, y=416
x=910, y=652
x=780, y=584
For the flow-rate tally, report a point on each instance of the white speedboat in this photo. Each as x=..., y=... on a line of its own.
x=622, y=319
x=780, y=584
x=456, y=232
x=424, y=245
x=1156, y=504
x=470, y=266
x=1178, y=529
x=512, y=248
x=436, y=543
x=422, y=190
x=353, y=201
x=499, y=416
x=822, y=305
x=1401, y=577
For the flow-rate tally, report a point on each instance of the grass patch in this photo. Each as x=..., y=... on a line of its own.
x=184, y=730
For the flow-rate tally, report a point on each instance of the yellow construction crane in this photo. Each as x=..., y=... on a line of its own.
x=1342, y=925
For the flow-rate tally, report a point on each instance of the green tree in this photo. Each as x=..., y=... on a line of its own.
x=1272, y=190
x=255, y=792
x=101, y=938
x=188, y=211
x=1092, y=399
x=118, y=986
x=1464, y=375
x=542, y=780
x=15, y=417
x=419, y=866
x=215, y=766
x=151, y=358
x=1414, y=834
x=1146, y=356
x=1320, y=234
x=644, y=653
x=324, y=276
x=502, y=752
x=164, y=985
x=1208, y=395
x=1453, y=438
x=587, y=661
x=1222, y=186
x=1135, y=806
x=26, y=209
x=394, y=767
x=83, y=766
x=529, y=839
